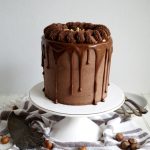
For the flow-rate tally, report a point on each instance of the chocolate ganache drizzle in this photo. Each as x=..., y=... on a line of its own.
x=82, y=46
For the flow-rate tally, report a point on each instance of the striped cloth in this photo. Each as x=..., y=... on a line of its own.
x=112, y=123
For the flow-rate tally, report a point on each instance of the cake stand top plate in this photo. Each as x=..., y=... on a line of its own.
x=113, y=101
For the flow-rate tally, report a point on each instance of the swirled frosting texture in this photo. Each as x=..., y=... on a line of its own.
x=76, y=32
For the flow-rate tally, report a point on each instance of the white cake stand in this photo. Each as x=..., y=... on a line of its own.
x=76, y=126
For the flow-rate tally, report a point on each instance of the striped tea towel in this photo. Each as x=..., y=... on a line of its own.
x=112, y=123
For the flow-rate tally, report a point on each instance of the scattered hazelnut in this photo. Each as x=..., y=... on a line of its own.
x=48, y=144
x=83, y=148
x=125, y=144
x=132, y=141
x=134, y=146
x=5, y=139
x=119, y=136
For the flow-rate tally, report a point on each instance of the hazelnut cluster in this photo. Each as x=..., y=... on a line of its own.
x=76, y=32
x=127, y=144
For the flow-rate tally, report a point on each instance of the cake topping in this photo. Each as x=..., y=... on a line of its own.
x=76, y=32
x=80, y=37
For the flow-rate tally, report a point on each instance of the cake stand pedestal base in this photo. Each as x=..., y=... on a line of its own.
x=77, y=126
x=73, y=129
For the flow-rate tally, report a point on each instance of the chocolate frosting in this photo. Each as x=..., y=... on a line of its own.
x=76, y=64
x=76, y=32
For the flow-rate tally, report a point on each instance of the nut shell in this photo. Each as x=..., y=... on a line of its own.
x=5, y=139
x=125, y=144
x=48, y=144
x=83, y=148
x=132, y=140
x=134, y=146
x=119, y=136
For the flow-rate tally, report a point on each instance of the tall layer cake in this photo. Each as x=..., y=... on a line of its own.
x=76, y=60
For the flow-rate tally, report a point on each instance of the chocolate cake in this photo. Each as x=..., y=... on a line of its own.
x=76, y=60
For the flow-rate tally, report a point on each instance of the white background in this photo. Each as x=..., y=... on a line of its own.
x=22, y=22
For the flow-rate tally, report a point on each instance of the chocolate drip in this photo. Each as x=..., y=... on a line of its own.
x=104, y=76
x=56, y=86
x=99, y=54
x=109, y=62
x=43, y=55
x=95, y=89
x=57, y=51
x=71, y=72
x=80, y=71
x=88, y=55
x=95, y=75
x=108, y=67
x=47, y=55
x=83, y=51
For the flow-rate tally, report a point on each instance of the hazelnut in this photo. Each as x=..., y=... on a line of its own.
x=5, y=139
x=132, y=141
x=125, y=144
x=134, y=146
x=78, y=29
x=104, y=40
x=83, y=148
x=119, y=136
x=48, y=144
x=66, y=29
